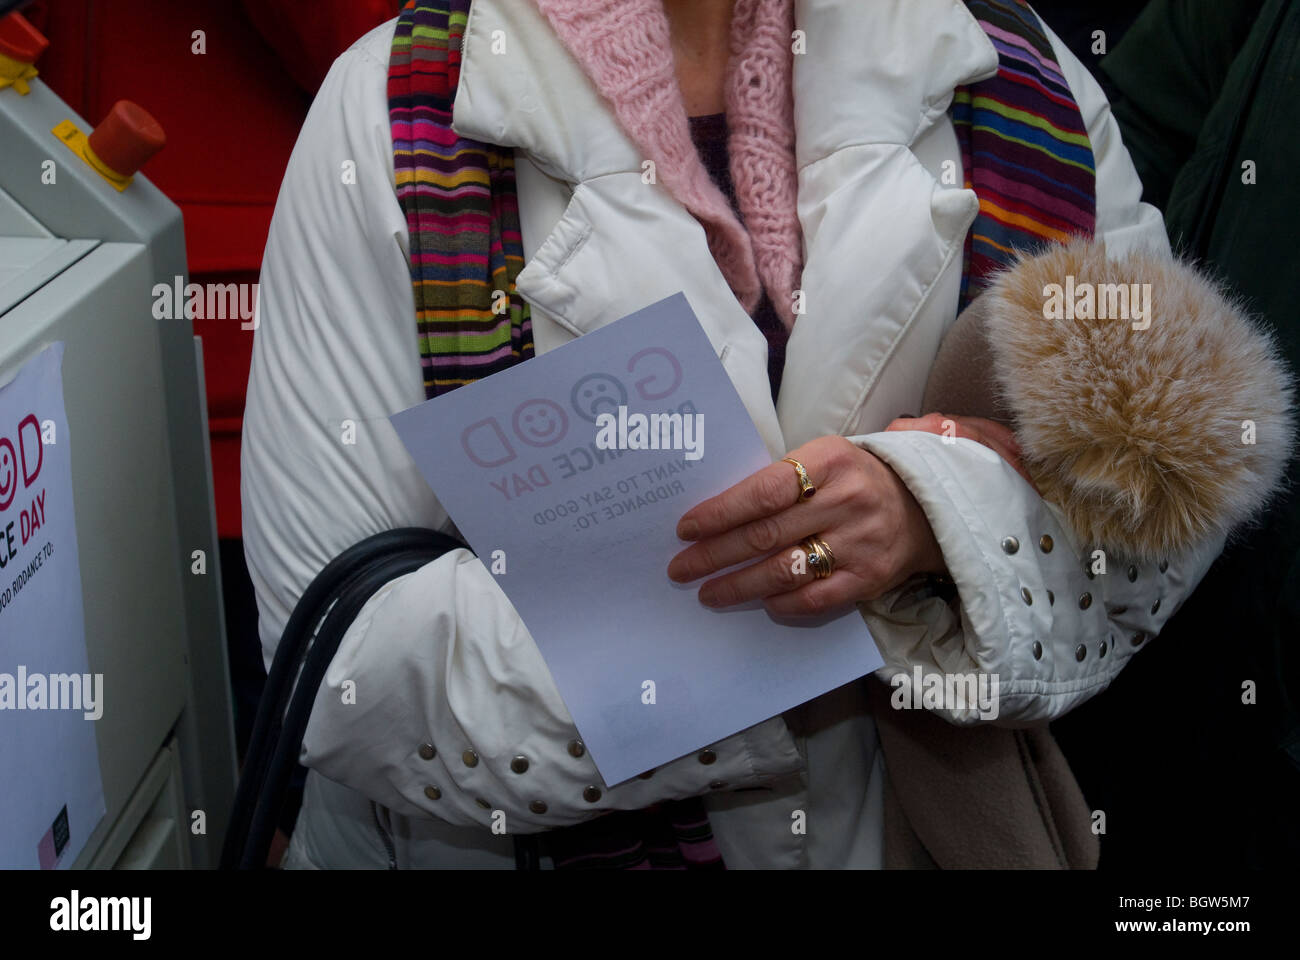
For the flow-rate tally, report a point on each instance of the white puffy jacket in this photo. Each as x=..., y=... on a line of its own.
x=449, y=686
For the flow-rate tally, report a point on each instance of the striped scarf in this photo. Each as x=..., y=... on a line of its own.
x=461, y=210
x=1024, y=147
x=462, y=215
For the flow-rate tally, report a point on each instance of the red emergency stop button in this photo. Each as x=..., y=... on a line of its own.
x=126, y=138
x=19, y=40
x=21, y=45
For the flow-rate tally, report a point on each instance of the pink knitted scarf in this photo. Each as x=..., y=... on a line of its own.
x=624, y=48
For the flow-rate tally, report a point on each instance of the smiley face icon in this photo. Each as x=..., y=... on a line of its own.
x=540, y=422
x=598, y=393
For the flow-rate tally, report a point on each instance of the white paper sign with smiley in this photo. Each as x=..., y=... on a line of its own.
x=53, y=796
x=588, y=522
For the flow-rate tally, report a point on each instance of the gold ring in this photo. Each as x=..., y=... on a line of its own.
x=806, y=487
x=825, y=548
x=820, y=558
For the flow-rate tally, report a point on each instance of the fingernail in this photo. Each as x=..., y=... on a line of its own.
x=688, y=530
x=708, y=597
x=677, y=571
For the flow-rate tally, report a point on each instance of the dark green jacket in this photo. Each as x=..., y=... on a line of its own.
x=1206, y=779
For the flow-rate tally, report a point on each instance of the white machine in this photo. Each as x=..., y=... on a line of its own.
x=81, y=251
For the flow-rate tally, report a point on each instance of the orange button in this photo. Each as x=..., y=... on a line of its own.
x=20, y=40
x=126, y=138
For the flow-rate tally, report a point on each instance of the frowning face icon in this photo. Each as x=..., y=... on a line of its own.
x=540, y=422
x=598, y=393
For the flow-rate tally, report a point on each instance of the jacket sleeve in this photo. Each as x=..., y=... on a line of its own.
x=1052, y=602
x=437, y=690
x=1038, y=610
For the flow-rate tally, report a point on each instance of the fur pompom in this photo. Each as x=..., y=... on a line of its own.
x=1150, y=432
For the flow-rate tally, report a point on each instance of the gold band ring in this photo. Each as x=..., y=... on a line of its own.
x=820, y=558
x=806, y=486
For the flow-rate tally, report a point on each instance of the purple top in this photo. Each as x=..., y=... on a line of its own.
x=710, y=136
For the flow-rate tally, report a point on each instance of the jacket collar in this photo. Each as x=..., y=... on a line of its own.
x=623, y=48
x=901, y=60
x=875, y=72
x=881, y=71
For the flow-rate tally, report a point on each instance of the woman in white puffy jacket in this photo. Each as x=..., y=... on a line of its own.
x=961, y=558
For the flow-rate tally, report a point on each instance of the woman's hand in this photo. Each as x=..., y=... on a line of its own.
x=992, y=434
x=876, y=530
x=874, y=527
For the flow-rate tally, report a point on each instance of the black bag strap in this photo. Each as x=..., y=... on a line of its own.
x=325, y=612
